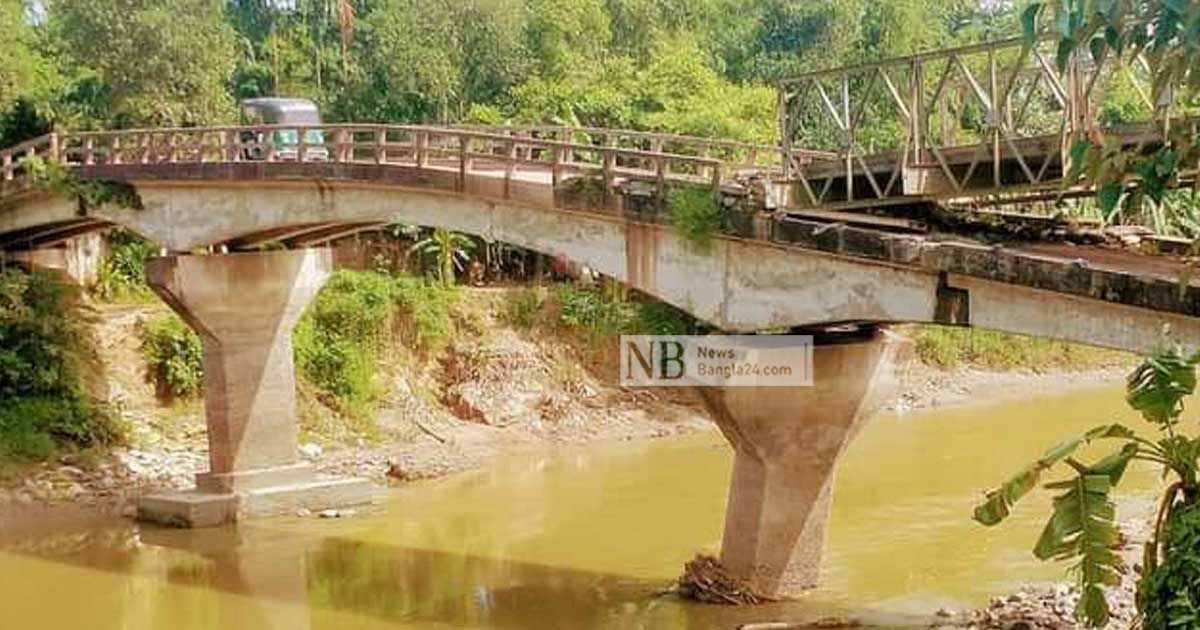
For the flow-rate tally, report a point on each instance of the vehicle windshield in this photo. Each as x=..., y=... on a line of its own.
x=291, y=137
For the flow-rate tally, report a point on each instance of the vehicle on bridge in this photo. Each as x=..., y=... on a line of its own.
x=285, y=143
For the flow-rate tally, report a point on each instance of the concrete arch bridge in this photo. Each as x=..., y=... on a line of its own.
x=595, y=196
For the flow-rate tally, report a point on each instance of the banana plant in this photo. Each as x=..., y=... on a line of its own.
x=1083, y=527
x=450, y=251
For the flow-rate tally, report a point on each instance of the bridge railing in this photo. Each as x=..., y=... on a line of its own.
x=15, y=175
x=465, y=152
x=736, y=155
x=997, y=115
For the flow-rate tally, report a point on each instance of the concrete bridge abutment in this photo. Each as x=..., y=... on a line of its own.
x=787, y=442
x=244, y=308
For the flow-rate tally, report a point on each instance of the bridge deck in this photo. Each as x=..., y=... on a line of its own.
x=563, y=175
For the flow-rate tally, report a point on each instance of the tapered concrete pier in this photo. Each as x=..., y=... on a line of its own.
x=245, y=307
x=787, y=441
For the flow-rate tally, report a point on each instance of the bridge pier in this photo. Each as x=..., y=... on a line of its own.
x=244, y=307
x=787, y=441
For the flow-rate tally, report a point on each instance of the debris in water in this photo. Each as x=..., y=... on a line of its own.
x=704, y=579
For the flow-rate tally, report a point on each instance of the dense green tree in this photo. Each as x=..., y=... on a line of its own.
x=24, y=71
x=676, y=65
x=565, y=32
x=425, y=60
x=161, y=62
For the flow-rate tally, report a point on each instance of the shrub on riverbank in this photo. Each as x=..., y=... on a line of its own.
x=341, y=339
x=950, y=347
x=608, y=316
x=43, y=342
x=122, y=277
x=175, y=355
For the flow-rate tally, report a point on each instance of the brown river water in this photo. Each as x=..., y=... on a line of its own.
x=575, y=538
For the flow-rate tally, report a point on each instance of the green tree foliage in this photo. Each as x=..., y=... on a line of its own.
x=160, y=62
x=686, y=66
x=428, y=60
x=42, y=350
x=1170, y=596
x=24, y=70
x=1082, y=527
x=1166, y=34
x=563, y=33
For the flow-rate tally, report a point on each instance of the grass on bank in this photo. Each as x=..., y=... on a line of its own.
x=949, y=347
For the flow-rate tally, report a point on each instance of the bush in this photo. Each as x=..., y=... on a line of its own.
x=660, y=318
x=522, y=307
x=338, y=341
x=428, y=305
x=35, y=428
x=608, y=316
x=175, y=355
x=1169, y=597
x=696, y=214
x=594, y=312
x=42, y=345
x=123, y=275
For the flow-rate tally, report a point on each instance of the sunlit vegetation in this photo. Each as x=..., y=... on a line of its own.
x=597, y=313
x=696, y=214
x=952, y=347
x=44, y=347
x=690, y=66
x=175, y=356
x=122, y=277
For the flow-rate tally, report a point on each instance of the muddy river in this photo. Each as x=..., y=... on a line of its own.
x=574, y=538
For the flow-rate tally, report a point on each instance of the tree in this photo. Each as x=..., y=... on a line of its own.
x=161, y=62
x=29, y=80
x=1082, y=527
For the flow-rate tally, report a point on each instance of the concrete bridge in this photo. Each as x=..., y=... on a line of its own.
x=242, y=257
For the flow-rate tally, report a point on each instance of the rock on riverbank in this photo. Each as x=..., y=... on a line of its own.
x=1052, y=607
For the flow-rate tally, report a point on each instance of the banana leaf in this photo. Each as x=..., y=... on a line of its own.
x=999, y=502
x=1157, y=387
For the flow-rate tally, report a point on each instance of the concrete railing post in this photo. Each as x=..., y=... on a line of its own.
x=244, y=307
x=787, y=441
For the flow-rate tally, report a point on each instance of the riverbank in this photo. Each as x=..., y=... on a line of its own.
x=509, y=389
x=1052, y=606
